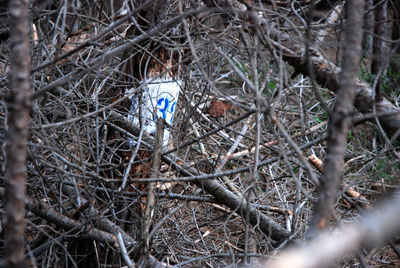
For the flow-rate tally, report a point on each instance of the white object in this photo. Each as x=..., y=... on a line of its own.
x=158, y=100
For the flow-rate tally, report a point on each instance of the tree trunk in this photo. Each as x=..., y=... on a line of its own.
x=368, y=22
x=378, y=45
x=395, y=59
x=19, y=106
x=341, y=117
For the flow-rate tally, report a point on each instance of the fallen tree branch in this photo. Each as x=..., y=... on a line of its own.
x=106, y=230
x=350, y=191
x=52, y=216
x=102, y=223
x=222, y=195
x=85, y=231
x=129, y=128
x=327, y=75
x=326, y=72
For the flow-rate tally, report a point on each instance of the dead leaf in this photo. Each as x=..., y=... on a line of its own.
x=218, y=108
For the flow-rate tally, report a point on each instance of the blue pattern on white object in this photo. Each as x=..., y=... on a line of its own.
x=159, y=100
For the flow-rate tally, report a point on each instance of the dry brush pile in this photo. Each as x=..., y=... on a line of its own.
x=239, y=176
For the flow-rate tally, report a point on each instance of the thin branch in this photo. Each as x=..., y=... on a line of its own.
x=151, y=188
x=95, y=38
x=97, y=62
x=124, y=251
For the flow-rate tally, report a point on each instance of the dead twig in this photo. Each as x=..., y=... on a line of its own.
x=151, y=198
x=123, y=251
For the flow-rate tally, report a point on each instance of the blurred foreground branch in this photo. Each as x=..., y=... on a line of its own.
x=19, y=107
x=373, y=229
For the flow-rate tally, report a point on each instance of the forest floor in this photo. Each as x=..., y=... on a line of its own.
x=81, y=150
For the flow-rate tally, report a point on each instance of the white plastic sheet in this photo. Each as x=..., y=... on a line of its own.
x=158, y=100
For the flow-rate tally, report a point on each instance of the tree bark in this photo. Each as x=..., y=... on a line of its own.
x=19, y=106
x=151, y=194
x=395, y=60
x=341, y=117
x=368, y=23
x=378, y=45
